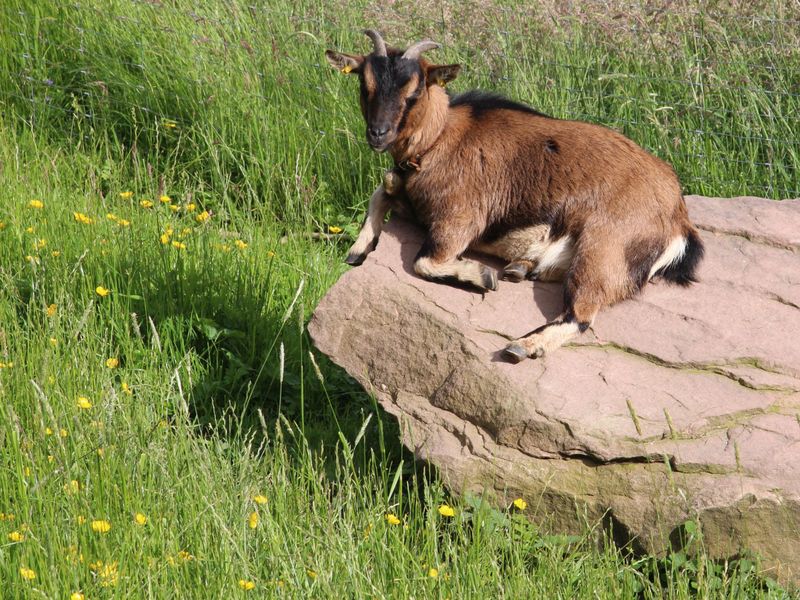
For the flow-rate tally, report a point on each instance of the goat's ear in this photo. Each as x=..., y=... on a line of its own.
x=344, y=62
x=441, y=74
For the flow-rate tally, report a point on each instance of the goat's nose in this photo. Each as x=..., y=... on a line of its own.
x=378, y=131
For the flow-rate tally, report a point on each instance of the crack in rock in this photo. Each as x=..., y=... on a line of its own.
x=716, y=368
x=750, y=236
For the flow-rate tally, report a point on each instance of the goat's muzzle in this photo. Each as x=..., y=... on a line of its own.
x=379, y=137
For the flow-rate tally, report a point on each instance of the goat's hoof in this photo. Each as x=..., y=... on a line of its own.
x=489, y=278
x=515, y=353
x=354, y=259
x=515, y=272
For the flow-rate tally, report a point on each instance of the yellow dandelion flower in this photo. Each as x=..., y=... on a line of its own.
x=178, y=245
x=246, y=585
x=16, y=536
x=126, y=195
x=2, y=225
x=185, y=556
x=334, y=229
x=48, y=431
x=126, y=389
x=146, y=203
x=112, y=217
x=29, y=230
x=311, y=573
x=63, y=432
x=106, y=572
x=84, y=403
x=51, y=458
x=433, y=573
x=240, y=244
x=174, y=208
x=101, y=452
x=80, y=519
x=40, y=243
x=191, y=207
x=7, y=365
x=82, y=218
x=520, y=504
x=73, y=555
x=202, y=217
x=55, y=253
x=123, y=223
x=270, y=254
x=169, y=124
x=53, y=341
x=73, y=487
x=165, y=199
x=33, y=259
x=101, y=526
x=102, y=291
x=259, y=499
x=446, y=510
x=36, y=204
x=51, y=310
x=77, y=596
x=112, y=363
x=140, y=519
x=392, y=519
x=252, y=520
x=26, y=573
x=164, y=238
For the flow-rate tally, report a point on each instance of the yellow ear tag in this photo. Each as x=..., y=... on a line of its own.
x=441, y=82
x=346, y=69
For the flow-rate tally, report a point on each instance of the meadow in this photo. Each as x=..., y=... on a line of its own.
x=179, y=183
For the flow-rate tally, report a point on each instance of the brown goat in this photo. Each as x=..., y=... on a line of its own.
x=556, y=199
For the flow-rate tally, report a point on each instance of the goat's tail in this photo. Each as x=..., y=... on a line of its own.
x=682, y=269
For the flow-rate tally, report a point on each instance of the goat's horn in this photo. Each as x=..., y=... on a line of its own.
x=414, y=51
x=380, y=45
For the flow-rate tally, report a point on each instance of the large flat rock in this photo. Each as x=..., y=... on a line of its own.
x=680, y=404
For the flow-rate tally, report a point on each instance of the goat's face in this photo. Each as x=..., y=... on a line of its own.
x=390, y=87
x=392, y=83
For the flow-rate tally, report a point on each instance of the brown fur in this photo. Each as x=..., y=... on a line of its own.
x=535, y=191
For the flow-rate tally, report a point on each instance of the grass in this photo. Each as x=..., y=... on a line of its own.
x=216, y=398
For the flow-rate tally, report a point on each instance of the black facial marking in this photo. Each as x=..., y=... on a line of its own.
x=387, y=104
x=551, y=146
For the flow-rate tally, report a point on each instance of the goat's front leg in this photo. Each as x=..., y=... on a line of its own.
x=439, y=260
x=379, y=205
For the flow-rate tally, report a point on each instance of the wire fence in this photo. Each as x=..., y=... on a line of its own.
x=696, y=86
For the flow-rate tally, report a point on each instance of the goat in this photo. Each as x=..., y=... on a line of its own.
x=557, y=199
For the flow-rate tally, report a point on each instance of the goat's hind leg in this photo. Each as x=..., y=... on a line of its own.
x=518, y=270
x=593, y=282
x=546, y=338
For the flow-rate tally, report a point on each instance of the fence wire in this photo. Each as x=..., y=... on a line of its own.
x=676, y=113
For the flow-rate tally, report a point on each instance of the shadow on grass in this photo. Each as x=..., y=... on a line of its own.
x=256, y=361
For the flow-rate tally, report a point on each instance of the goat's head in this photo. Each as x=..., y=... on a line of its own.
x=392, y=84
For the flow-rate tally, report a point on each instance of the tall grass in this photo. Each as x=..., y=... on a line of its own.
x=213, y=398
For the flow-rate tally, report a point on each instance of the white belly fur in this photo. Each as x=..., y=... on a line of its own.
x=552, y=257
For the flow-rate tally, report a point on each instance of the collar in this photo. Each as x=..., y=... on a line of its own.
x=411, y=164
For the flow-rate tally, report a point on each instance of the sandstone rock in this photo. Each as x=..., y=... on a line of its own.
x=680, y=404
